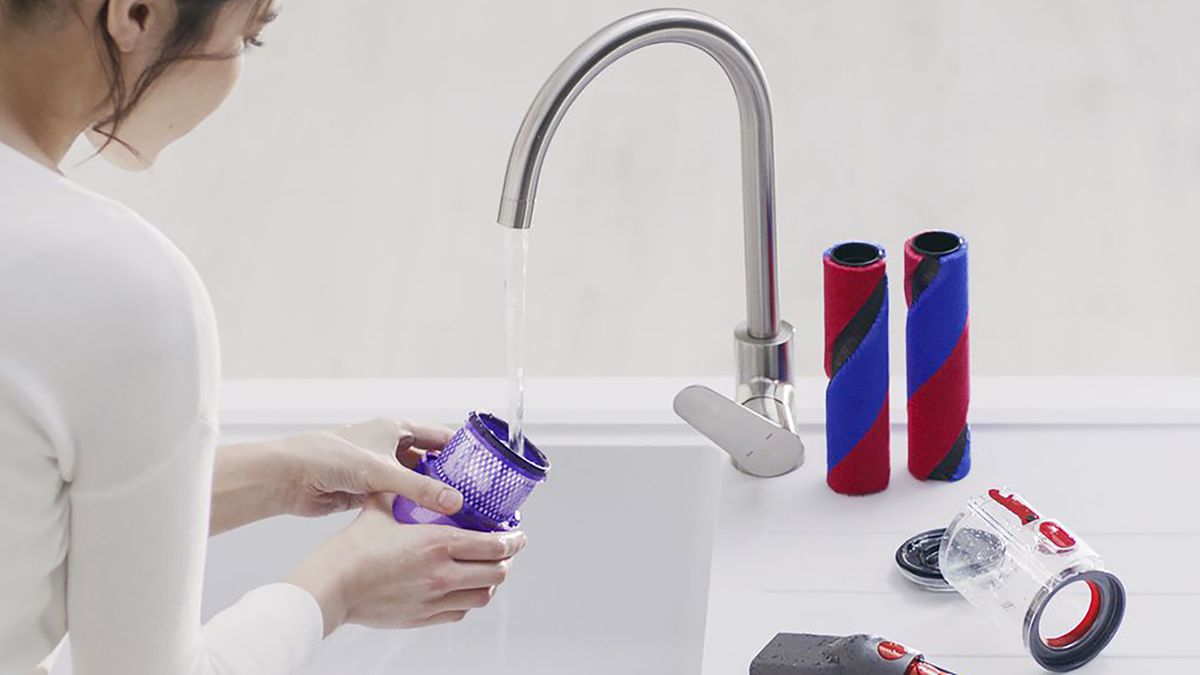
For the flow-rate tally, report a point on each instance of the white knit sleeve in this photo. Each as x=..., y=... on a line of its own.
x=138, y=387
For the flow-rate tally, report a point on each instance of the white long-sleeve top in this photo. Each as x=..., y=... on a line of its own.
x=108, y=387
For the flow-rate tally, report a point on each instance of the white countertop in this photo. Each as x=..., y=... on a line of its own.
x=1113, y=458
x=647, y=401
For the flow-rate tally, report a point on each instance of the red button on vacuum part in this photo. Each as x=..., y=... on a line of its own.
x=892, y=651
x=1015, y=505
x=1056, y=534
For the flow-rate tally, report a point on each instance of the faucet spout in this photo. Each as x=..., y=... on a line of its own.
x=748, y=430
x=754, y=107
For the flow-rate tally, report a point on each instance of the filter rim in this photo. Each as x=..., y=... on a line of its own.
x=494, y=432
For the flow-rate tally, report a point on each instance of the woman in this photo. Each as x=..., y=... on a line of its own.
x=109, y=481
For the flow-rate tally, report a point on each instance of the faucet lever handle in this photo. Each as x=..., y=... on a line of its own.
x=758, y=446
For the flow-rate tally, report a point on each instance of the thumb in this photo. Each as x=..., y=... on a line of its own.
x=386, y=474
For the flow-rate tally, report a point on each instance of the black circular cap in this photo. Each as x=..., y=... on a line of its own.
x=856, y=254
x=917, y=559
x=937, y=243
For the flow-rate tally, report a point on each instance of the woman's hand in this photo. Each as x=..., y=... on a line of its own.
x=379, y=573
x=334, y=470
x=325, y=472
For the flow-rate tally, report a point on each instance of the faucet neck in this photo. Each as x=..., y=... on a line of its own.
x=754, y=106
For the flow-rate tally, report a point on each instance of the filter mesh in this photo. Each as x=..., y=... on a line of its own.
x=489, y=483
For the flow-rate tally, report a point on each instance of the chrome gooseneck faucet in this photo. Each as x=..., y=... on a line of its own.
x=759, y=430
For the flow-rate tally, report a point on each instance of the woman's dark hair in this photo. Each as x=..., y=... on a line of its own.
x=193, y=26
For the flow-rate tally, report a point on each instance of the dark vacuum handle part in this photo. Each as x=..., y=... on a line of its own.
x=804, y=654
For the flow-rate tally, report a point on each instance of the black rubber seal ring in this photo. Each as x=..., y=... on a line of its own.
x=1101, y=632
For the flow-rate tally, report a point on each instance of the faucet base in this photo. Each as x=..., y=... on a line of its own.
x=758, y=446
x=764, y=386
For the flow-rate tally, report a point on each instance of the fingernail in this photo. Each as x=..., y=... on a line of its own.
x=450, y=499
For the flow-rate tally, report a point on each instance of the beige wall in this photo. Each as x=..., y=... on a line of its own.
x=341, y=206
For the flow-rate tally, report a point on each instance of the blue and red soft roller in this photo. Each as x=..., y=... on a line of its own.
x=939, y=391
x=856, y=361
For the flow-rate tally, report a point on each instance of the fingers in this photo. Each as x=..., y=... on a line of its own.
x=483, y=546
x=335, y=502
x=427, y=436
x=362, y=471
x=470, y=575
x=444, y=617
x=387, y=475
x=388, y=436
x=382, y=435
x=409, y=457
x=473, y=598
x=380, y=503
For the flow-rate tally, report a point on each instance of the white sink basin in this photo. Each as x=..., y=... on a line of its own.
x=614, y=580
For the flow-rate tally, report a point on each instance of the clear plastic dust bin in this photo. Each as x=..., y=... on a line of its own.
x=1030, y=572
x=1017, y=565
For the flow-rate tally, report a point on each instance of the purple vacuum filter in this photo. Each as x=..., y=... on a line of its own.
x=494, y=479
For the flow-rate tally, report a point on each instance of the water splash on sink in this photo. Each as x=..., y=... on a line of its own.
x=516, y=247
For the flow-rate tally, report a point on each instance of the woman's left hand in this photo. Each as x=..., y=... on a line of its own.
x=326, y=472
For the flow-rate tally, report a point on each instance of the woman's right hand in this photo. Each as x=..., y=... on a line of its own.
x=380, y=573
